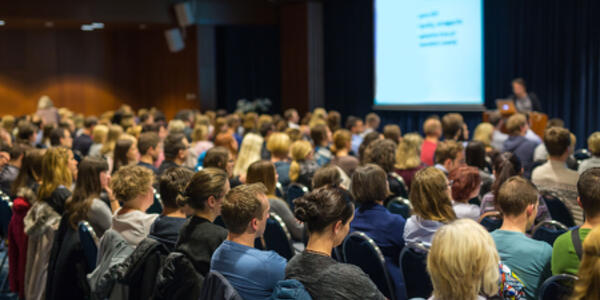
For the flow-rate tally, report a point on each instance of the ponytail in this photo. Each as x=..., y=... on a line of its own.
x=506, y=165
x=294, y=170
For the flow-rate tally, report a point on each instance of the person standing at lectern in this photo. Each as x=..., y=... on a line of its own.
x=524, y=102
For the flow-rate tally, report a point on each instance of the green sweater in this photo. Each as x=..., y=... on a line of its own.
x=564, y=257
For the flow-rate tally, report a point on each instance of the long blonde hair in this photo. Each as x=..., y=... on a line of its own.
x=407, y=153
x=430, y=197
x=588, y=285
x=55, y=171
x=114, y=132
x=463, y=261
x=483, y=133
x=299, y=151
x=249, y=153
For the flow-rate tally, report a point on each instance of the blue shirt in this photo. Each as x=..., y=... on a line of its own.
x=283, y=171
x=528, y=259
x=252, y=272
x=355, y=144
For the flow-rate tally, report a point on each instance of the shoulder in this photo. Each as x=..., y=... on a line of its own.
x=562, y=242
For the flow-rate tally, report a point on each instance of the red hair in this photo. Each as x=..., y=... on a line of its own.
x=464, y=181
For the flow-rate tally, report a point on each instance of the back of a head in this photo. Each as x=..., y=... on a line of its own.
x=99, y=134
x=327, y=175
x=351, y=121
x=289, y=113
x=369, y=185
x=475, y=154
x=505, y=165
x=445, y=150
x=262, y=171
x=172, y=184
x=30, y=171
x=432, y=127
x=87, y=188
x=249, y=153
x=588, y=284
x=318, y=134
x=594, y=143
x=465, y=180
x=367, y=140
x=392, y=132
x=483, y=133
x=588, y=187
x=90, y=122
x=130, y=182
x=408, y=152
x=323, y=207
x=372, y=120
x=25, y=131
x=18, y=150
x=202, y=185
x=515, y=195
x=382, y=153
x=557, y=140
x=216, y=157
x=334, y=120
x=515, y=123
x=200, y=133
x=451, y=125
x=341, y=139
x=299, y=152
x=146, y=141
x=555, y=122
x=278, y=144
x=430, y=197
x=55, y=171
x=241, y=205
x=495, y=117
x=173, y=144
x=463, y=250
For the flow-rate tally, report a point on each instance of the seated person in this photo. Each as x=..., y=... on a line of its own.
x=554, y=176
x=465, y=185
x=541, y=153
x=303, y=166
x=341, y=149
x=321, y=136
x=432, y=206
x=529, y=259
x=433, y=131
x=588, y=285
x=594, y=147
x=369, y=189
x=475, y=156
x=565, y=256
x=175, y=150
x=454, y=127
x=148, y=149
x=327, y=215
x=408, y=161
x=382, y=152
x=252, y=272
x=448, y=156
x=518, y=144
x=9, y=172
x=278, y=144
x=166, y=227
x=466, y=272
x=132, y=185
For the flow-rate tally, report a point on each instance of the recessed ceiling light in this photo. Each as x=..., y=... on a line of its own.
x=87, y=28
x=97, y=25
x=2, y=23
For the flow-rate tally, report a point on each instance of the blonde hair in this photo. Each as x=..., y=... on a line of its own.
x=407, y=153
x=341, y=139
x=249, y=153
x=299, y=151
x=131, y=181
x=515, y=122
x=200, y=133
x=483, y=133
x=135, y=131
x=99, y=134
x=55, y=171
x=594, y=143
x=114, y=132
x=8, y=122
x=429, y=196
x=463, y=261
x=45, y=102
x=588, y=285
x=176, y=126
x=279, y=144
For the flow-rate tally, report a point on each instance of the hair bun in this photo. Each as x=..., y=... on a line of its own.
x=305, y=208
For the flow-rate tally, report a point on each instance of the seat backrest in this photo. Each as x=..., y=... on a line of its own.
x=558, y=210
x=491, y=220
x=279, y=190
x=89, y=243
x=156, y=207
x=277, y=237
x=400, y=206
x=557, y=287
x=548, y=231
x=295, y=190
x=360, y=250
x=5, y=212
x=217, y=287
x=413, y=262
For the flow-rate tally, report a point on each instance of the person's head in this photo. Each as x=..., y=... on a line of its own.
x=327, y=175
x=8, y=122
x=368, y=139
x=300, y=151
x=483, y=133
x=90, y=122
x=148, y=144
x=382, y=153
x=114, y=133
x=555, y=122
x=557, y=141
x=16, y=152
x=219, y=157
x=430, y=195
x=30, y=171
x=518, y=196
x=320, y=134
x=372, y=121
x=588, y=188
x=206, y=190
x=132, y=185
x=334, y=120
x=355, y=125
x=99, y=134
x=466, y=183
x=495, y=118
x=263, y=171
x=228, y=141
x=516, y=125
x=175, y=148
x=392, y=132
x=341, y=140
x=408, y=152
x=505, y=165
x=245, y=209
x=450, y=155
x=594, y=143
x=26, y=133
x=463, y=249
x=519, y=88
x=369, y=185
x=326, y=211
x=452, y=126
x=61, y=137
x=171, y=186
x=93, y=175
x=57, y=169
x=588, y=284
x=279, y=145
x=125, y=153
x=249, y=153
x=291, y=115
x=432, y=127
x=475, y=155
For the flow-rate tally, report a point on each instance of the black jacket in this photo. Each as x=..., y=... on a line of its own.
x=141, y=268
x=535, y=102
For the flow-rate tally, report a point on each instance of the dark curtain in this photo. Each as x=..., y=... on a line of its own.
x=553, y=44
x=248, y=65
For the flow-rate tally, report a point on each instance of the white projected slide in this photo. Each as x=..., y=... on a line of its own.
x=428, y=52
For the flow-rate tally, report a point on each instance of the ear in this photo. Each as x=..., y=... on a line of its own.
x=530, y=209
x=254, y=224
x=337, y=227
x=448, y=162
x=579, y=201
x=211, y=202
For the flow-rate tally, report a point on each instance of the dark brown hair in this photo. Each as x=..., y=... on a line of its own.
x=367, y=140
x=216, y=157
x=120, y=155
x=30, y=171
x=262, y=171
x=241, y=205
x=334, y=120
x=382, y=153
x=87, y=187
x=318, y=133
x=369, y=184
x=392, y=132
x=172, y=185
x=515, y=195
x=172, y=145
x=447, y=150
x=451, y=125
x=506, y=165
x=557, y=140
x=205, y=183
x=146, y=141
x=323, y=207
x=327, y=175
x=588, y=187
